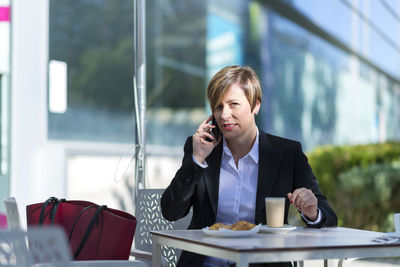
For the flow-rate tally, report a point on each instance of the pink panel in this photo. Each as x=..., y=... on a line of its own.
x=4, y=13
x=3, y=221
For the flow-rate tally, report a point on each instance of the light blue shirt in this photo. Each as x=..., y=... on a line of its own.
x=237, y=191
x=238, y=186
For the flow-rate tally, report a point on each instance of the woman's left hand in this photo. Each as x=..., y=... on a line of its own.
x=305, y=201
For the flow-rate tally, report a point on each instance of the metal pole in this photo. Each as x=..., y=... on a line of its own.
x=139, y=82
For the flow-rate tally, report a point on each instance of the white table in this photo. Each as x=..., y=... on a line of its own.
x=300, y=244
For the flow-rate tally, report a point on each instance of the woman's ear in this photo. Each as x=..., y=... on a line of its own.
x=256, y=108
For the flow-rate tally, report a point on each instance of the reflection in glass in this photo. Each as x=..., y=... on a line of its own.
x=92, y=122
x=176, y=70
x=314, y=92
x=95, y=40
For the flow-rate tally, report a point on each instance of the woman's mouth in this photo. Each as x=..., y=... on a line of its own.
x=229, y=126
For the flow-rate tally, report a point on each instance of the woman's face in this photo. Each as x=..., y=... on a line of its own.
x=234, y=116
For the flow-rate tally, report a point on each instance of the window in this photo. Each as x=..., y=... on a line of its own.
x=91, y=98
x=94, y=41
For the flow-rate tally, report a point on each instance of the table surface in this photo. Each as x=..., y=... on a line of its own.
x=300, y=244
x=296, y=240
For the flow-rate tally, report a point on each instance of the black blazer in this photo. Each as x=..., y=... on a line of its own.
x=283, y=167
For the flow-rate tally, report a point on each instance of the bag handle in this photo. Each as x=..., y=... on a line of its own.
x=54, y=210
x=76, y=220
x=95, y=218
x=44, y=206
x=56, y=203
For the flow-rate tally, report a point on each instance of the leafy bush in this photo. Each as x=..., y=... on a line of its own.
x=362, y=183
x=372, y=194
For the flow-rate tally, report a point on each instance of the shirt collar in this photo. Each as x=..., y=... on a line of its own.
x=253, y=154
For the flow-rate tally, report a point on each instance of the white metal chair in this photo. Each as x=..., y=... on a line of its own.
x=48, y=247
x=48, y=244
x=148, y=214
x=13, y=250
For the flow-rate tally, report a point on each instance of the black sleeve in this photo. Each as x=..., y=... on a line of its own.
x=306, y=178
x=177, y=198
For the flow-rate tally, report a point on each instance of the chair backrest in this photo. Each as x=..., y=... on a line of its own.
x=12, y=214
x=148, y=213
x=48, y=244
x=13, y=250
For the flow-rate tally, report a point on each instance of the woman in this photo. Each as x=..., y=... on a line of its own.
x=226, y=178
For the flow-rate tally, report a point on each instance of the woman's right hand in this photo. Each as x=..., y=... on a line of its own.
x=201, y=147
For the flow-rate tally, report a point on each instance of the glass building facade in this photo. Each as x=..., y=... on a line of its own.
x=329, y=70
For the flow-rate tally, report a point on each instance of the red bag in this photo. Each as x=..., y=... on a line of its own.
x=94, y=232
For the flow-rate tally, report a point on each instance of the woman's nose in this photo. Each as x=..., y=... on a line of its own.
x=226, y=113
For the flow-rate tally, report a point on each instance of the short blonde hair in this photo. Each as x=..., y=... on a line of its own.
x=245, y=77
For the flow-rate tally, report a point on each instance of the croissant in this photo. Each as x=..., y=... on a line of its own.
x=237, y=226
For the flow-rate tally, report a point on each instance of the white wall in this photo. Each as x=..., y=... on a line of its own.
x=30, y=163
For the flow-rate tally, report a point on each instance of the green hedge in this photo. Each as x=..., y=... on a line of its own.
x=362, y=183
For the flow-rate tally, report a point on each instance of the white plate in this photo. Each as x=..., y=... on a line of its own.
x=230, y=233
x=277, y=230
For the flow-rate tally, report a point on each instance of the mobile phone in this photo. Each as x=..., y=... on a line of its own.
x=214, y=131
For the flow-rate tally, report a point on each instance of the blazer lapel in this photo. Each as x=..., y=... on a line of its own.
x=268, y=168
x=211, y=176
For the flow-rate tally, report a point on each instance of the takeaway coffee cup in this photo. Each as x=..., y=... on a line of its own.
x=396, y=219
x=275, y=210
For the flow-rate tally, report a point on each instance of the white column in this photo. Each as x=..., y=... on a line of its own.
x=30, y=172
